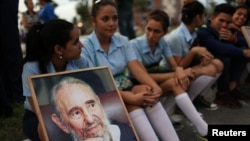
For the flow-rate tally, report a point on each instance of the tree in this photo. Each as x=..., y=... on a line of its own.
x=232, y=2
x=141, y=5
x=82, y=10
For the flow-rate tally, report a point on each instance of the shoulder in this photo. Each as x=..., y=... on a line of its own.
x=32, y=64
x=49, y=6
x=89, y=42
x=172, y=37
x=120, y=38
x=173, y=34
x=31, y=68
x=163, y=43
x=81, y=63
x=139, y=42
x=203, y=31
x=206, y=27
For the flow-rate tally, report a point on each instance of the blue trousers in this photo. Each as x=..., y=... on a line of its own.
x=233, y=69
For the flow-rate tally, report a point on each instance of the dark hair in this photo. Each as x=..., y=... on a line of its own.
x=42, y=38
x=48, y=0
x=25, y=2
x=248, y=12
x=190, y=10
x=100, y=3
x=160, y=16
x=224, y=8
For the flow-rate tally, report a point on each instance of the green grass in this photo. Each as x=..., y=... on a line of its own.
x=11, y=127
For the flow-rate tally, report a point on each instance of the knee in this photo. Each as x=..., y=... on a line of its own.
x=167, y=85
x=140, y=88
x=209, y=70
x=172, y=86
x=218, y=65
x=131, y=108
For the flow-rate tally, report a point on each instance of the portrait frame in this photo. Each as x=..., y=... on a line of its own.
x=246, y=33
x=100, y=79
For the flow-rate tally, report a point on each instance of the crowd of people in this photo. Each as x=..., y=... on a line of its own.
x=30, y=17
x=163, y=68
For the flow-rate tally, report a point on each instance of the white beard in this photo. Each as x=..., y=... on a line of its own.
x=105, y=137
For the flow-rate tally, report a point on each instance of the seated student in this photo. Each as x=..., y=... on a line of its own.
x=105, y=48
x=49, y=49
x=181, y=41
x=215, y=38
x=239, y=18
x=150, y=48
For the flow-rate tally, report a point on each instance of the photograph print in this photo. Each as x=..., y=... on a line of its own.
x=81, y=105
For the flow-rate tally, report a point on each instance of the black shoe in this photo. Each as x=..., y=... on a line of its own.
x=241, y=92
x=178, y=126
x=228, y=101
x=206, y=104
x=177, y=121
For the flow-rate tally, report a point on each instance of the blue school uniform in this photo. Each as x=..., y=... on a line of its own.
x=180, y=40
x=144, y=53
x=119, y=54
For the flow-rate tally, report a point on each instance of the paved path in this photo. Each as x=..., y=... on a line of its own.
x=221, y=116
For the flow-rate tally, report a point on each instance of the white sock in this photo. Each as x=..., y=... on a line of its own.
x=161, y=123
x=199, y=85
x=169, y=103
x=142, y=125
x=210, y=84
x=187, y=107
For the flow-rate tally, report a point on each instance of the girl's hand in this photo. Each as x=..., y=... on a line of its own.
x=190, y=74
x=146, y=96
x=225, y=34
x=181, y=77
x=202, y=52
x=146, y=99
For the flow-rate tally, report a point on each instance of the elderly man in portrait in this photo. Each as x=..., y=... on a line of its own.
x=78, y=112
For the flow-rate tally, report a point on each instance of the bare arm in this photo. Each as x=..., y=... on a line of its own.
x=24, y=22
x=172, y=62
x=195, y=51
x=141, y=75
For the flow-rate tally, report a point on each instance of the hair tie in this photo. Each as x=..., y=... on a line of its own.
x=97, y=1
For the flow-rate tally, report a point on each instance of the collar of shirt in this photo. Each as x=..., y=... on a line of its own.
x=115, y=132
x=51, y=68
x=113, y=44
x=146, y=48
x=145, y=45
x=189, y=37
